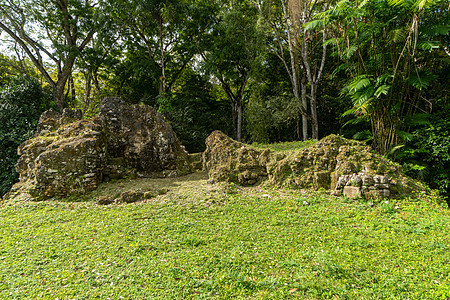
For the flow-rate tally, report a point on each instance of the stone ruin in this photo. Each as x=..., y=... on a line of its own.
x=69, y=155
x=343, y=166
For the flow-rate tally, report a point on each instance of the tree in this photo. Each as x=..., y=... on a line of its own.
x=231, y=53
x=9, y=67
x=385, y=49
x=196, y=110
x=296, y=41
x=56, y=31
x=166, y=29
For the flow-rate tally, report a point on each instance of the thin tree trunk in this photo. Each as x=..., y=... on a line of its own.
x=294, y=71
x=97, y=86
x=314, y=120
x=163, y=67
x=305, y=106
x=239, y=121
x=234, y=117
x=87, y=92
x=72, y=90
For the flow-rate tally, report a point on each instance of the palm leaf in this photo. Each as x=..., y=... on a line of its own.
x=382, y=90
x=337, y=70
x=396, y=2
x=421, y=80
x=423, y=4
x=365, y=135
x=441, y=29
x=429, y=45
x=397, y=35
x=359, y=83
x=313, y=25
x=406, y=136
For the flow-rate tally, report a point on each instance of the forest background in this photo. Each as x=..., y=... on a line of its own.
x=262, y=71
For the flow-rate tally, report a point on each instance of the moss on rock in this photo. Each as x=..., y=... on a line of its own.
x=320, y=166
x=70, y=155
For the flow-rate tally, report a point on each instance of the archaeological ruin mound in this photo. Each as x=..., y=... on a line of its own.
x=70, y=155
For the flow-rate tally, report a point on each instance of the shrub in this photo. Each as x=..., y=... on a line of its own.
x=21, y=103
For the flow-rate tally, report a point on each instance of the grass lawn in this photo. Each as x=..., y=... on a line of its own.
x=202, y=241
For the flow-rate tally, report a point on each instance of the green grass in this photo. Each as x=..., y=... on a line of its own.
x=221, y=241
x=285, y=146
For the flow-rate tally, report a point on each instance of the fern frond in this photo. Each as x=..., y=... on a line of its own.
x=382, y=90
x=313, y=25
x=422, y=80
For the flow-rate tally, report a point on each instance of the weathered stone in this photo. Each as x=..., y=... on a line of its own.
x=131, y=196
x=367, y=180
x=336, y=192
x=48, y=121
x=342, y=181
x=66, y=161
x=384, y=179
x=334, y=162
x=352, y=192
x=149, y=194
x=334, y=177
x=228, y=160
x=69, y=156
x=322, y=179
x=195, y=159
x=76, y=114
x=140, y=136
x=105, y=200
x=355, y=180
x=381, y=186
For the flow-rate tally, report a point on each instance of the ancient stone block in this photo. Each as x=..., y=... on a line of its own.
x=322, y=179
x=131, y=196
x=352, y=192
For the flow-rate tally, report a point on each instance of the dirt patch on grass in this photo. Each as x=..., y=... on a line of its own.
x=192, y=189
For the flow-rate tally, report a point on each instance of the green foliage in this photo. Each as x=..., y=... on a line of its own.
x=384, y=57
x=194, y=111
x=271, y=112
x=269, y=117
x=9, y=67
x=21, y=103
x=427, y=155
x=232, y=52
x=246, y=244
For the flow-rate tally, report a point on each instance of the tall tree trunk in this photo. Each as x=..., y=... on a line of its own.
x=98, y=93
x=239, y=121
x=87, y=92
x=305, y=106
x=58, y=95
x=162, y=91
x=234, y=117
x=294, y=68
x=314, y=119
x=72, y=90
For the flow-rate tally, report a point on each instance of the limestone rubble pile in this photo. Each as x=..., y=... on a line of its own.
x=334, y=163
x=69, y=155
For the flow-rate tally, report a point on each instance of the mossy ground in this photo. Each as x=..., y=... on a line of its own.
x=222, y=241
